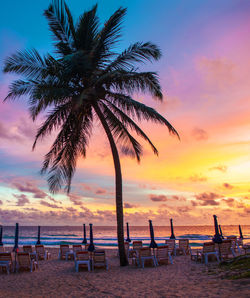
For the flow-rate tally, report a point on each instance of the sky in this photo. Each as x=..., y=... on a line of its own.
x=205, y=77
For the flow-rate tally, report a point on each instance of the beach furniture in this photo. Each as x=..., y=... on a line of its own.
x=76, y=248
x=225, y=249
x=28, y=249
x=163, y=255
x=99, y=259
x=145, y=254
x=1, y=248
x=82, y=259
x=42, y=254
x=24, y=261
x=86, y=246
x=134, y=252
x=183, y=247
x=208, y=250
x=6, y=261
x=64, y=252
x=235, y=243
x=171, y=246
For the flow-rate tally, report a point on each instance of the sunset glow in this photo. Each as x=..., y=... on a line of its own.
x=205, y=76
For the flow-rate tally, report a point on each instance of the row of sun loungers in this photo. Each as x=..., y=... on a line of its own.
x=139, y=255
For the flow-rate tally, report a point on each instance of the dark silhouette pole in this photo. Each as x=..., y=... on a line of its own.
x=128, y=239
x=152, y=243
x=1, y=235
x=241, y=235
x=91, y=244
x=222, y=237
x=84, y=241
x=38, y=236
x=217, y=236
x=172, y=229
x=15, y=248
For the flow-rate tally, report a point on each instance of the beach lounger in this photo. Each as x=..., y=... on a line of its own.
x=82, y=259
x=208, y=250
x=33, y=254
x=225, y=249
x=6, y=261
x=171, y=246
x=99, y=259
x=145, y=254
x=24, y=261
x=1, y=248
x=184, y=247
x=42, y=254
x=235, y=243
x=163, y=255
x=64, y=252
x=134, y=252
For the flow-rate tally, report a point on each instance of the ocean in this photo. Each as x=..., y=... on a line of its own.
x=105, y=236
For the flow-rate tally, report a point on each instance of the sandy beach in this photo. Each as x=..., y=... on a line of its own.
x=184, y=278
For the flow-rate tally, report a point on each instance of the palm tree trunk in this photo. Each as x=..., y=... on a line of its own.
x=118, y=187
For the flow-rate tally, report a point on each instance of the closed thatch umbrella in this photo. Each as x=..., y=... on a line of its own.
x=91, y=243
x=38, y=236
x=15, y=248
x=217, y=237
x=84, y=241
x=1, y=235
x=221, y=232
x=152, y=243
x=128, y=239
x=241, y=235
x=172, y=229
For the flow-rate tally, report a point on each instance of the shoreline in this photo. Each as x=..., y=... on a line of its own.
x=184, y=278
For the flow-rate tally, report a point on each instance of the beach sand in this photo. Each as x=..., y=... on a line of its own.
x=184, y=278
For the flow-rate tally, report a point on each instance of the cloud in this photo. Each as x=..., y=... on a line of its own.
x=197, y=178
x=100, y=191
x=128, y=205
x=30, y=187
x=217, y=73
x=44, y=203
x=21, y=200
x=199, y=134
x=184, y=209
x=206, y=199
x=228, y=186
x=75, y=199
x=221, y=168
x=230, y=201
x=159, y=198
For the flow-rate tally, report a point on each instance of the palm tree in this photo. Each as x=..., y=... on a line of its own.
x=84, y=80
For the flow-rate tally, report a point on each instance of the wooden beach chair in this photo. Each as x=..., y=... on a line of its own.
x=184, y=247
x=24, y=261
x=163, y=255
x=145, y=254
x=82, y=260
x=226, y=250
x=171, y=246
x=64, y=252
x=134, y=252
x=234, y=243
x=208, y=250
x=99, y=259
x=1, y=248
x=42, y=254
x=27, y=248
x=6, y=261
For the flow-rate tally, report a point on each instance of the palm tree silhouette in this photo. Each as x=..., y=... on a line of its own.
x=83, y=81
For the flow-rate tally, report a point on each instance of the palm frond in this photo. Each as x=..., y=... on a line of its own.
x=108, y=36
x=87, y=29
x=19, y=88
x=28, y=63
x=129, y=145
x=131, y=124
x=132, y=81
x=139, y=110
x=61, y=25
x=136, y=53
